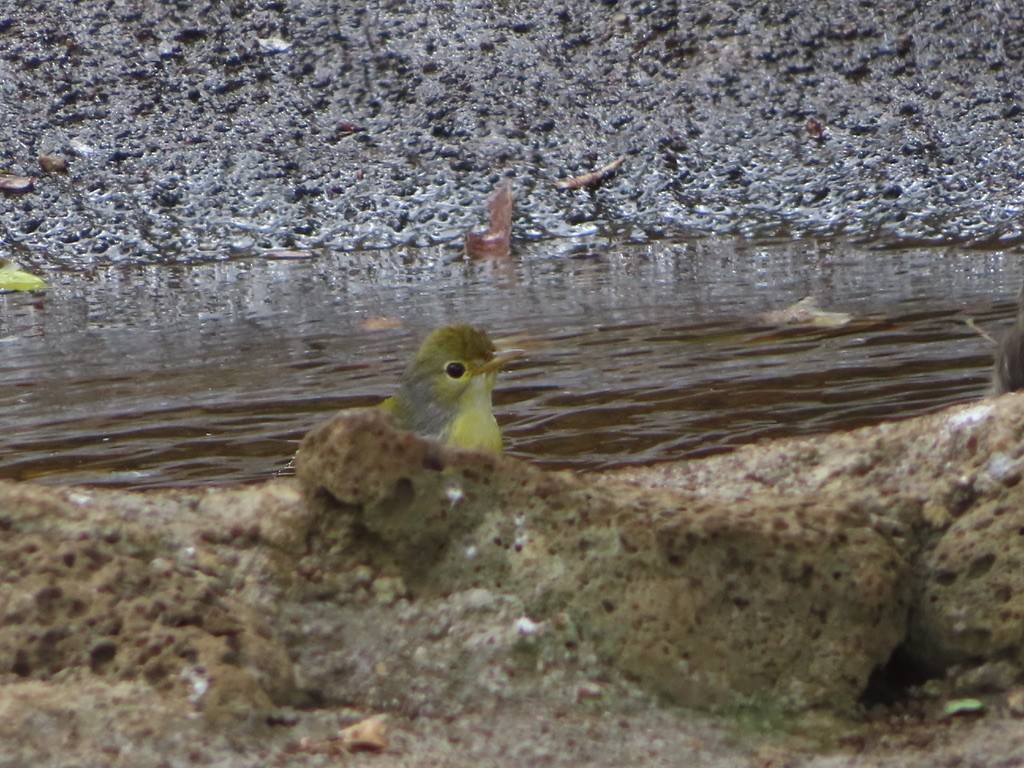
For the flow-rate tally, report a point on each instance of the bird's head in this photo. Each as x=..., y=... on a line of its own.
x=456, y=361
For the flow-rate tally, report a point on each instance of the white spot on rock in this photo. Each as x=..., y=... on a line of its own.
x=478, y=599
x=970, y=416
x=454, y=494
x=195, y=678
x=1001, y=465
x=527, y=627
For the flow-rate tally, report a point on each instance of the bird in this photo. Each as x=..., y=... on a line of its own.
x=445, y=391
x=1008, y=371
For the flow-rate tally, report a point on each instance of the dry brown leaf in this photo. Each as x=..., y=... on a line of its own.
x=496, y=242
x=53, y=164
x=807, y=311
x=381, y=323
x=814, y=128
x=347, y=129
x=592, y=179
x=11, y=182
x=369, y=735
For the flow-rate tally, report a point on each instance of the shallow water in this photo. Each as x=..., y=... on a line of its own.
x=163, y=376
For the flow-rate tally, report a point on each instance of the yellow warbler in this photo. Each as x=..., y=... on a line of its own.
x=445, y=392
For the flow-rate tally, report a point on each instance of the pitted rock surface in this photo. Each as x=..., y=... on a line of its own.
x=970, y=602
x=490, y=607
x=82, y=589
x=708, y=603
x=943, y=489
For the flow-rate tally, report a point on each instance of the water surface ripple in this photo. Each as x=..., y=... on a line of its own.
x=163, y=376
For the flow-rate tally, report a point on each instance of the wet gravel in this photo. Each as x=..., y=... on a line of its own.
x=197, y=131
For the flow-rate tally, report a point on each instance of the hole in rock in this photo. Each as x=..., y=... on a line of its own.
x=981, y=565
x=101, y=656
x=891, y=683
x=21, y=666
x=400, y=498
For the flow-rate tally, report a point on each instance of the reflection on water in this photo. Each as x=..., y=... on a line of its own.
x=160, y=376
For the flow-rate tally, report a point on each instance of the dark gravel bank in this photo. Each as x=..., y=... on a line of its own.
x=198, y=130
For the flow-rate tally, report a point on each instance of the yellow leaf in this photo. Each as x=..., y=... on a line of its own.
x=14, y=278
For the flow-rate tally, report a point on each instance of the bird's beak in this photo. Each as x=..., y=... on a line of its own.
x=501, y=358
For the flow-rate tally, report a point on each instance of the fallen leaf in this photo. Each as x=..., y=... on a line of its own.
x=592, y=179
x=963, y=707
x=496, y=242
x=806, y=312
x=369, y=735
x=347, y=129
x=11, y=182
x=814, y=128
x=273, y=44
x=53, y=164
x=14, y=278
x=381, y=323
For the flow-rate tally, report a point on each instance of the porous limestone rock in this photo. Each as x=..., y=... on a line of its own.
x=711, y=603
x=944, y=490
x=85, y=588
x=425, y=580
x=969, y=601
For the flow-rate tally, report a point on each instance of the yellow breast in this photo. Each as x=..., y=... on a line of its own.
x=474, y=428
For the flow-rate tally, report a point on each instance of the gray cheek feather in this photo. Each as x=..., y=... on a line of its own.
x=429, y=417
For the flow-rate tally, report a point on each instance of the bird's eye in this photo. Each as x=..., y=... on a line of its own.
x=455, y=370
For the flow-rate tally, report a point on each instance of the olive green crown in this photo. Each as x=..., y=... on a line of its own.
x=457, y=342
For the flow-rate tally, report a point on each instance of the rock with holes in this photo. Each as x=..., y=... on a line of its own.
x=87, y=586
x=405, y=573
x=771, y=600
x=944, y=490
x=970, y=595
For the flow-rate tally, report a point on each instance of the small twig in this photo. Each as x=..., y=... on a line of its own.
x=592, y=179
x=969, y=322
